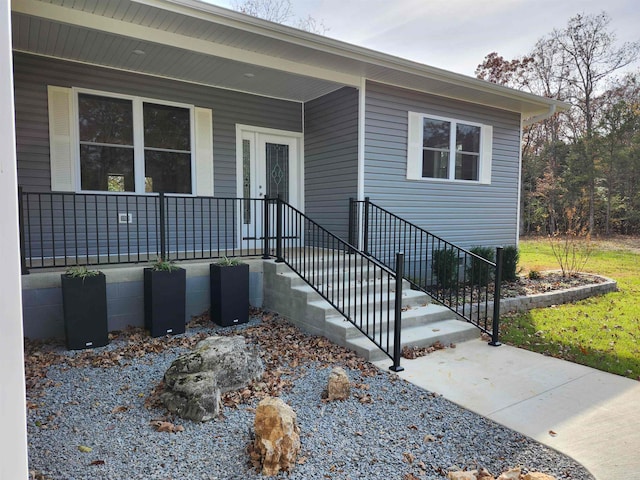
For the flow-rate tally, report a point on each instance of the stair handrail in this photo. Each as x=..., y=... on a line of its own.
x=364, y=220
x=300, y=242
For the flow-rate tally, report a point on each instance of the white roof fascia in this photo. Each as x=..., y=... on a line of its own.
x=223, y=16
x=329, y=45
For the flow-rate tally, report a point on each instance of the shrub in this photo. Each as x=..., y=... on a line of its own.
x=510, y=257
x=572, y=249
x=445, y=267
x=478, y=272
x=534, y=275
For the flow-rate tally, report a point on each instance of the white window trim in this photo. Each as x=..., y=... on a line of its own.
x=138, y=139
x=415, y=149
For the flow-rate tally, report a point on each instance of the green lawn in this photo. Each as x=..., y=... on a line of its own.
x=602, y=332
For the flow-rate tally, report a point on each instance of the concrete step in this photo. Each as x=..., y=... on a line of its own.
x=423, y=323
x=357, y=299
x=443, y=331
x=340, y=329
x=329, y=282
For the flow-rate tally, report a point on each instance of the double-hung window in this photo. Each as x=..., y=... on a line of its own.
x=448, y=149
x=106, y=142
x=130, y=144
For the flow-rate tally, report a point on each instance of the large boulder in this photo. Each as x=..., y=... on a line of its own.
x=195, y=380
x=277, y=437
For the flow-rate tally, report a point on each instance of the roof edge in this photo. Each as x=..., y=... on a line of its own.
x=286, y=33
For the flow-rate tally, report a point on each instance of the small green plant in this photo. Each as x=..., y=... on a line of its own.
x=510, y=257
x=81, y=271
x=478, y=272
x=228, y=262
x=161, y=265
x=534, y=275
x=445, y=267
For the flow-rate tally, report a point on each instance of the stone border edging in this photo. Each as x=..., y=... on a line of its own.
x=525, y=303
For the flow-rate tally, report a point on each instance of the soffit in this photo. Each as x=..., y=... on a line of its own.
x=198, y=42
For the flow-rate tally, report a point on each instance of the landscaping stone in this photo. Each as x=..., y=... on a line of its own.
x=195, y=380
x=277, y=437
x=538, y=476
x=460, y=475
x=338, y=386
x=513, y=474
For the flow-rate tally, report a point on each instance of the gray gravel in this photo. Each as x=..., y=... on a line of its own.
x=342, y=440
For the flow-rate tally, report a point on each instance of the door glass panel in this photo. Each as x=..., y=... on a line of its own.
x=277, y=156
x=246, y=180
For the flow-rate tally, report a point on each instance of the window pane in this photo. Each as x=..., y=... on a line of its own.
x=105, y=120
x=108, y=169
x=467, y=138
x=167, y=171
x=435, y=164
x=166, y=127
x=467, y=166
x=436, y=133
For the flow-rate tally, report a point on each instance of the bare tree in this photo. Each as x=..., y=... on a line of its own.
x=279, y=11
x=592, y=56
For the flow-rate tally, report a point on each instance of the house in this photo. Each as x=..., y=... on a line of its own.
x=118, y=101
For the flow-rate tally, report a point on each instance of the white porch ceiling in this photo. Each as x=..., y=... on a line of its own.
x=196, y=42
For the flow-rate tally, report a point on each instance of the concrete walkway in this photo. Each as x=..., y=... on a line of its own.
x=592, y=416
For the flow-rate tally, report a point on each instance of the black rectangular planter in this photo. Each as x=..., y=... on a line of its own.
x=164, y=301
x=229, y=294
x=84, y=302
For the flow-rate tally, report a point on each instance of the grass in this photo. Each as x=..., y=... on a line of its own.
x=601, y=332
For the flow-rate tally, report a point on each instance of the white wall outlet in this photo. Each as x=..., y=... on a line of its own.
x=125, y=218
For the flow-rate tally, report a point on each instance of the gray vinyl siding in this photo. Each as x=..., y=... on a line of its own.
x=87, y=226
x=32, y=75
x=467, y=214
x=331, y=158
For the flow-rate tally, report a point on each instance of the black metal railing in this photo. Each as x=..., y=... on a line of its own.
x=466, y=283
x=367, y=293
x=66, y=229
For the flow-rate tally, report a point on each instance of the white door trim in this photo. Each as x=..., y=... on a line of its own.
x=242, y=131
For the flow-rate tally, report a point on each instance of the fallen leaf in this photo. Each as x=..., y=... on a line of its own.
x=85, y=449
x=162, y=426
x=97, y=462
x=120, y=408
x=552, y=433
x=408, y=457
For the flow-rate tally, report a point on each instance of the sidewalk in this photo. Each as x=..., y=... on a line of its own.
x=592, y=416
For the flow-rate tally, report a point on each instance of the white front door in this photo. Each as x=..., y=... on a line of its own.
x=269, y=165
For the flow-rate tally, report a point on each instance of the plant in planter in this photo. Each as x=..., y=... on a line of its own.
x=229, y=280
x=164, y=298
x=84, y=303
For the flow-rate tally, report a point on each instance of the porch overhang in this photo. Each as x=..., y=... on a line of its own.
x=195, y=42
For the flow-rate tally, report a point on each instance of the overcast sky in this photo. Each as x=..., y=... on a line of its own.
x=457, y=34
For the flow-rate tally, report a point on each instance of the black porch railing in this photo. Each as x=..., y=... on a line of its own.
x=367, y=293
x=466, y=283
x=66, y=229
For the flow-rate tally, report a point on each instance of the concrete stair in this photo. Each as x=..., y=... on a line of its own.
x=423, y=323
